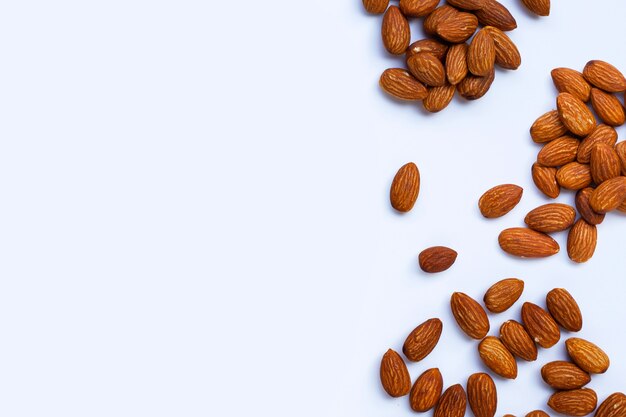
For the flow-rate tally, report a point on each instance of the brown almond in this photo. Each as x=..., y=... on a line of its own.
x=609, y=195
x=375, y=6
x=564, y=309
x=439, y=15
x=473, y=88
x=575, y=115
x=538, y=7
x=587, y=356
x=418, y=8
x=394, y=375
x=551, y=218
x=620, y=148
x=601, y=134
x=400, y=84
x=426, y=391
x=427, y=69
x=540, y=325
x=605, y=76
x=458, y=28
x=467, y=4
x=503, y=294
x=567, y=80
x=405, y=188
x=574, y=176
x=527, y=243
x=497, y=357
x=605, y=163
x=613, y=406
x=559, y=152
x=481, y=54
x=499, y=200
x=608, y=108
x=622, y=208
x=562, y=375
x=537, y=413
x=507, y=54
x=396, y=32
x=456, y=63
x=437, y=259
x=579, y=402
x=482, y=395
x=518, y=341
x=431, y=46
x=452, y=403
x=545, y=180
x=547, y=127
x=495, y=14
x=439, y=97
x=584, y=207
x=422, y=340
x=469, y=315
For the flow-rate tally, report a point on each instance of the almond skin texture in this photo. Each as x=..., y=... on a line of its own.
x=395, y=32
x=527, y=243
x=473, y=88
x=605, y=163
x=456, y=63
x=452, y=403
x=609, y=195
x=518, y=341
x=608, y=108
x=537, y=413
x=427, y=69
x=459, y=28
x=418, y=8
x=422, y=340
x=620, y=149
x=559, y=152
x=438, y=98
x=375, y=6
x=467, y=4
x=499, y=200
x=587, y=356
x=567, y=80
x=584, y=207
x=604, y=76
x=564, y=309
x=431, y=46
x=601, y=134
x=405, y=188
x=538, y=7
x=482, y=395
x=540, y=325
x=613, y=406
x=578, y=402
x=437, y=17
x=575, y=115
x=469, y=315
x=495, y=14
x=503, y=294
x=562, y=375
x=545, y=180
x=497, y=357
x=394, y=375
x=437, y=259
x=507, y=54
x=547, y=127
x=426, y=391
x=481, y=55
x=551, y=218
x=400, y=84
x=574, y=176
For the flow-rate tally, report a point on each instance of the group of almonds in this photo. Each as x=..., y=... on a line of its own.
x=538, y=327
x=449, y=61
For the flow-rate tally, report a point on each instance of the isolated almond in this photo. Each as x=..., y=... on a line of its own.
x=439, y=15
x=427, y=69
x=481, y=55
x=405, y=188
x=482, y=395
x=537, y=413
x=418, y=8
x=503, y=294
x=609, y=195
x=559, y=152
x=431, y=46
x=551, y=218
x=458, y=28
x=564, y=309
x=608, y=108
x=394, y=375
x=456, y=63
x=499, y=200
x=575, y=115
x=422, y=340
x=605, y=76
x=605, y=163
x=400, y=84
x=437, y=259
x=540, y=325
x=495, y=14
x=579, y=402
x=518, y=341
x=469, y=315
x=497, y=357
x=545, y=180
x=395, y=32
x=567, y=80
x=601, y=134
x=375, y=6
x=613, y=406
x=527, y=243
x=473, y=87
x=620, y=148
x=538, y=7
x=547, y=127
x=507, y=54
x=467, y=4
x=587, y=356
x=452, y=403
x=562, y=375
x=439, y=97
x=574, y=176
x=426, y=391
x=584, y=207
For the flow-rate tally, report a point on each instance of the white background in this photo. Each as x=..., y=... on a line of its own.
x=195, y=217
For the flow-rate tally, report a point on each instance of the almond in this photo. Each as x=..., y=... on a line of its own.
x=545, y=180
x=605, y=163
x=418, y=8
x=538, y=7
x=559, y=152
x=473, y=88
x=575, y=115
x=587, y=356
x=396, y=33
x=437, y=259
x=567, y=80
x=439, y=97
x=495, y=14
x=469, y=315
x=579, y=402
x=503, y=294
x=499, y=200
x=620, y=148
x=540, y=325
x=605, y=76
x=527, y=243
x=431, y=46
x=458, y=28
x=547, y=127
x=608, y=108
x=613, y=406
x=452, y=403
x=375, y=6
x=422, y=340
x=518, y=341
x=622, y=208
x=507, y=54
x=467, y=4
x=456, y=63
x=394, y=375
x=564, y=309
x=562, y=375
x=551, y=218
x=601, y=134
x=482, y=395
x=609, y=195
x=497, y=357
x=400, y=84
x=439, y=15
x=574, y=176
x=426, y=391
x=584, y=207
x=481, y=55
x=537, y=413
x=405, y=188
x=427, y=69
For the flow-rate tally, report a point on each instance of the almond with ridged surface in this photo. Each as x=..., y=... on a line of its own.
x=507, y=54
x=458, y=28
x=426, y=391
x=469, y=315
x=452, y=403
x=495, y=14
x=609, y=195
x=375, y=6
x=426, y=68
x=567, y=80
x=564, y=309
x=439, y=15
x=563, y=375
x=605, y=163
x=620, y=148
x=422, y=340
x=584, y=207
x=547, y=127
x=574, y=176
x=481, y=54
x=545, y=180
x=473, y=87
x=540, y=325
x=400, y=84
x=550, y=218
x=482, y=395
x=467, y=4
x=517, y=340
x=605, y=76
x=527, y=243
x=575, y=115
x=499, y=200
x=394, y=375
x=559, y=152
x=437, y=259
x=497, y=357
x=601, y=134
x=431, y=46
x=405, y=188
x=538, y=7
x=456, y=63
x=438, y=98
x=503, y=294
x=395, y=32
x=608, y=108
x=579, y=402
x=418, y=8
x=613, y=406
x=588, y=356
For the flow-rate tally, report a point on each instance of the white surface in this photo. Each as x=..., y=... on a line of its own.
x=195, y=218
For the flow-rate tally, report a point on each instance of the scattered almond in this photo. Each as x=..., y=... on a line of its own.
x=608, y=108
x=481, y=55
x=503, y=294
x=426, y=391
x=437, y=259
x=482, y=395
x=620, y=149
x=587, y=356
x=527, y=243
x=579, y=402
x=400, y=84
x=469, y=315
x=456, y=63
x=422, y=340
x=431, y=46
x=452, y=403
x=551, y=218
x=558, y=152
x=601, y=134
x=518, y=341
x=575, y=115
x=605, y=76
x=507, y=54
x=473, y=87
x=495, y=14
x=547, y=127
x=613, y=406
x=584, y=207
x=418, y=8
x=427, y=69
x=499, y=200
x=396, y=32
x=545, y=180
x=605, y=163
x=405, y=188
x=567, y=80
x=437, y=17
x=540, y=325
x=574, y=176
x=497, y=357
x=458, y=28
x=538, y=7
x=609, y=195
x=562, y=375
x=439, y=97
x=394, y=375
x=564, y=309
x=375, y=6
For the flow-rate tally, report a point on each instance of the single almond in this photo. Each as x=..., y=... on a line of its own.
x=503, y=294
x=458, y=28
x=437, y=259
x=567, y=80
x=559, y=152
x=578, y=402
x=584, y=207
x=427, y=69
x=601, y=134
x=394, y=375
x=439, y=97
x=418, y=8
x=540, y=325
x=495, y=14
x=605, y=76
x=405, y=187
x=564, y=309
x=467, y=4
x=537, y=413
x=473, y=87
x=620, y=148
x=426, y=391
x=481, y=55
x=452, y=403
x=551, y=218
x=469, y=315
x=497, y=357
x=439, y=15
x=507, y=54
x=575, y=115
x=375, y=6
x=482, y=395
x=499, y=200
x=431, y=46
x=605, y=163
x=422, y=340
x=527, y=243
x=587, y=356
x=545, y=180
x=400, y=84
x=547, y=127
x=538, y=7
x=608, y=108
x=518, y=341
x=613, y=406
x=609, y=195
x=396, y=32
x=456, y=63
x=563, y=375
x=574, y=176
